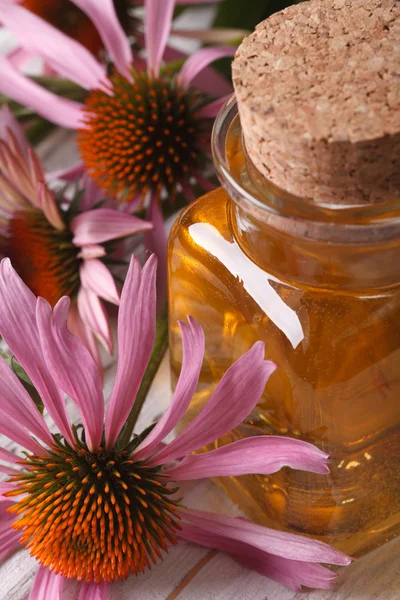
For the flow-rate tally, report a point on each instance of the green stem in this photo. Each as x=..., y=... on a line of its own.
x=159, y=349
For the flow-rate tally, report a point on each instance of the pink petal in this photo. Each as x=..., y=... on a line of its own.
x=104, y=224
x=19, y=329
x=202, y=59
x=155, y=240
x=8, y=456
x=93, y=591
x=60, y=111
x=96, y=277
x=16, y=405
x=92, y=194
x=80, y=329
x=116, y=42
x=4, y=488
x=192, y=359
x=48, y=204
x=136, y=331
x=280, y=543
x=158, y=23
x=69, y=58
x=211, y=110
x=47, y=585
x=93, y=313
x=232, y=401
x=69, y=174
x=8, y=121
x=19, y=58
x=92, y=251
x=9, y=539
x=208, y=80
x=259, y=455
x=18, y=435
x=291, y=573
x=9, y=542
x=73, y=368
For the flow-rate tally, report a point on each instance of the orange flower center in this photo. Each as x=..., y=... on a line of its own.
x=93, y=516
x=67, y=17
x=44, y=257
x=147, y=136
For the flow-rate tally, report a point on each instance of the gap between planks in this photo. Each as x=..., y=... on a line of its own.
x=190, y=575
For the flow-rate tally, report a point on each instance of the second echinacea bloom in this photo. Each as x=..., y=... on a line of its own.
x=59, y=249
x=92, y=506
x=145, y=126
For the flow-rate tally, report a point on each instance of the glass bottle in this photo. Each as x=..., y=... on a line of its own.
x=321, y=286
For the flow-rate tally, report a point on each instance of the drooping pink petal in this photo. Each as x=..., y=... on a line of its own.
x=47, y=201
x=211, y=110
x=202, y=59
x=292, y=573
x=20, y=88
x=158, y=22
x=93, y=313
x=155, y=240
x=16, y=405
x=192, y=359
x=93, y=591
x=69, y=174
x=280, y=543
x=92, y=194
x=9, y=539
x=104, y=224
x=232, y=401
x=92, y=251
x=19, y=57
x=96, y=277
x=115, y=41
x=73, y=368
x=19, y=329
x=81, y=329
x=5, y=487
x=136, y=331
x=20, y=436
x=46, y=585
x=208, y=80
x=8, y=456
x=8, y=121
x=69, y=58
x=262, y=455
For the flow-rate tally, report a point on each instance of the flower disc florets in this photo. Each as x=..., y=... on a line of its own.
x=147, y=135
x=44, y=257
x=94, y=516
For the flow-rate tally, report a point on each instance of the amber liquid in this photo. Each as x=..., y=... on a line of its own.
x=339, y=388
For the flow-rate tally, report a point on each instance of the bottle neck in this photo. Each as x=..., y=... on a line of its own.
x=296, y=239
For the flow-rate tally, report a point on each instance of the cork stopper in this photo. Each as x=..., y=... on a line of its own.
x=318, y=90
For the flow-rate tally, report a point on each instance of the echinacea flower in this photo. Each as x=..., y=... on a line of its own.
x=59, y=252
x=93, y=508
x=144, y=128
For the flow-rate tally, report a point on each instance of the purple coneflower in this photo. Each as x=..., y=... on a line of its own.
x=92, y=508
x=59, y=252
x=143, y=127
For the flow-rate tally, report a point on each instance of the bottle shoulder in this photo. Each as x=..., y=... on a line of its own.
x=211, y=209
